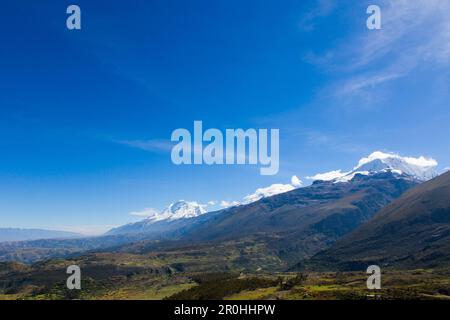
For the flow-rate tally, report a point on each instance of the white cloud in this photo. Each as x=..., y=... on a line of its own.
x=420, y=161
x=146, y=213
x=154, y=145
x=418, y=29
x=227, y=204
x=268, y=192
x=359, y=83
x=413, y=33
x=333, y=141
x=296, y=182
x=273, y=190
x=322, y=9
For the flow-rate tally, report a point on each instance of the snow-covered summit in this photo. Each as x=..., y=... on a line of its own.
x=156, y=220
x=420, y=168
x=178, y=210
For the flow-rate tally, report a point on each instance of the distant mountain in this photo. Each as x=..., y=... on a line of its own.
x=422, y=169
x=175, y=215
x=16, y=234
x=179, y=210
x=37, y=250
x=411, y=232
x=170, y=223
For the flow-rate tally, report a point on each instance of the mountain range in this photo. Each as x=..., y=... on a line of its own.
x=293, y=225
x=342, y=219
x=289, y=209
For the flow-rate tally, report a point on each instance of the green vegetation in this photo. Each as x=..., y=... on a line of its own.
x=216, y=288
x=242, y=269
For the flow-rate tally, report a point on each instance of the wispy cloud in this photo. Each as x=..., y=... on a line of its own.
x=418, y=29
x=414, y=33
x=154, y=145
x=273, y=190
x=148, y=212
x=322, y=9
x=165, y=146
x=359, y=83
x=333, y=141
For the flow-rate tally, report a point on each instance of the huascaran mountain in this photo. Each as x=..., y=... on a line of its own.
x=174, y=216
x=421, y=168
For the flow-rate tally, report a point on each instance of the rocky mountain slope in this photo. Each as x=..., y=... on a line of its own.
x=411, y=232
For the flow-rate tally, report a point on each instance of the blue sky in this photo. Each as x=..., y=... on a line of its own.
x=85, y=115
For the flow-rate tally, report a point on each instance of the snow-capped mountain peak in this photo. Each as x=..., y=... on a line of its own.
x=420, y=168
x=156, y=220
x=178, y=210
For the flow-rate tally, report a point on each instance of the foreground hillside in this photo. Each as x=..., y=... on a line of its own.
x=125, y=276
x=411, y=232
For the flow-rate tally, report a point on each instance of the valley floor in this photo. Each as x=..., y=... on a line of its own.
x=416, y=284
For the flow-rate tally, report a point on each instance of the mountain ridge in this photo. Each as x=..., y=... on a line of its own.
x=412, y=231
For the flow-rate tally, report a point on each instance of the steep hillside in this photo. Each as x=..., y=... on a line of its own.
x=411, y=232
